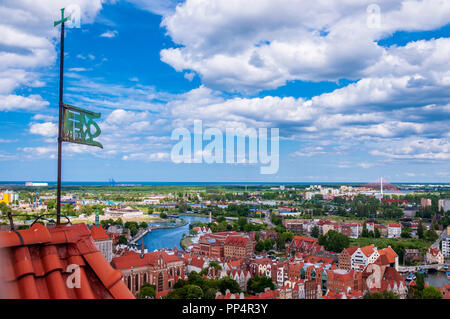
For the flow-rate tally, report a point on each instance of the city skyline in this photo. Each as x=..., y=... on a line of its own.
x=150, y=69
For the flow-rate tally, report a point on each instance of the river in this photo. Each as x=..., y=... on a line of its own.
x=436, y=278
x=170, y=237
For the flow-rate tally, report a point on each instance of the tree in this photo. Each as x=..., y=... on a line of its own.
x=210, y=293
x=242, y=221
x=147, y=291
x=122, y=239
x=258, y=284
x=268, y=244
x=377, y=233
x=4, y=209
x=431, y=235
x=420, y=230
x=334, y=241
x=230, y=284
x=382, y=295
x=406, y=233
x=193, y=292
x=86, y=210
x=143, y=225
x=365, y=232
x=163, y=215
x=260, y=246
x=315, y=232
x=431, y=292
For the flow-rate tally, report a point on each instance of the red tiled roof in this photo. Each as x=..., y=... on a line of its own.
x=368, y=250
x=389, y=253
x=197, y=262
x=307, y=239
x=98, y=233
x=34, y=265
x=351, y=250
x=132, y=259
x=236, y=241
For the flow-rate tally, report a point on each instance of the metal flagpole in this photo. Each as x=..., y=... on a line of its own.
x=84, y=118
x=60, y=124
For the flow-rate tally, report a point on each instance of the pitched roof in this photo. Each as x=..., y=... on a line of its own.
x=351, y=250
x=390, y=254
x=132, y=259
x=99, y=233
x=197, y=262
x=236, y=241
x=34, y=263
x=368, y=250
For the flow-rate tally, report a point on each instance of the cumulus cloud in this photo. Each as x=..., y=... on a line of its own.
x=265, y=43
x=47, y=129
x=13, y=102
x=26, y=45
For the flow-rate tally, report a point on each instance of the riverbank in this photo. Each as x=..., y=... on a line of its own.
x=186, y=242
x=193, y=215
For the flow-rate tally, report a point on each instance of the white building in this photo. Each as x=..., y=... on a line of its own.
x=394, y=230
x=446, y=244
x=444, y=204
x=364, y=256
x=102, y=241
x=434, y=256
x=122, y=212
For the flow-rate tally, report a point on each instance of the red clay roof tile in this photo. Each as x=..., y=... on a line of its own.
x=39, y=263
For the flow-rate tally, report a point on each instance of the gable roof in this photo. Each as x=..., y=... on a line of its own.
x=389, y=253
x=351, y=250
x=368, y=250
x=34, y=265
x=99, y=233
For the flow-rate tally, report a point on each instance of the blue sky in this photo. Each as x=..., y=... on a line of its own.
x=352, y=101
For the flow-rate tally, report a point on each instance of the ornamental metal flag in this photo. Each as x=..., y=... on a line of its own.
x=79, y=126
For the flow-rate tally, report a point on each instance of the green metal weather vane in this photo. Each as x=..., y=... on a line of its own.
x=63, y=19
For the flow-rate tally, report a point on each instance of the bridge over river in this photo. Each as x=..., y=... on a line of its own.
x=414, y=269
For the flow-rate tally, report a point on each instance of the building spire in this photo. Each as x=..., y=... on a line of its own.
x=97, y=218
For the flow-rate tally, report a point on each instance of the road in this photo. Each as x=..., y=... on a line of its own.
x=441, y=236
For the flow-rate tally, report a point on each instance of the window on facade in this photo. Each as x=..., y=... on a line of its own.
x=136, y=282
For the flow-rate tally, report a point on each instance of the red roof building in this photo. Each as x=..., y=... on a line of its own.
x=157, y=268
x=56, y=263
x=238, y=247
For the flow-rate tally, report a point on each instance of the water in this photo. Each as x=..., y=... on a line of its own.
x=437, y=278
x=169, y=238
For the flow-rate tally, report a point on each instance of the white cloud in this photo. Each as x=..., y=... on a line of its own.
x=43, y=117
x=148, y=157
x=264, y=43
x=17, y=102
x=416, y=148
x=27, y=46
x=109, y=34
x=47, y=129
